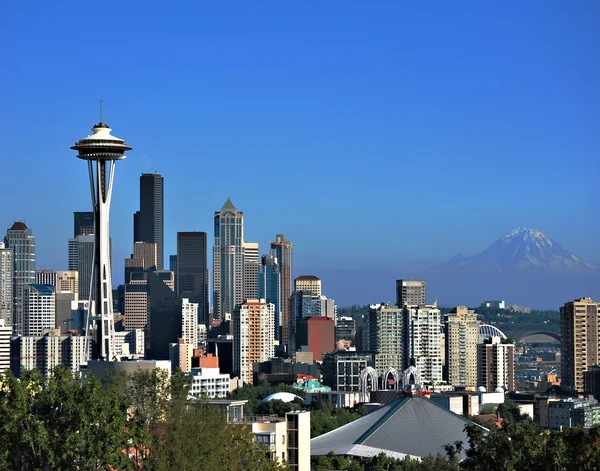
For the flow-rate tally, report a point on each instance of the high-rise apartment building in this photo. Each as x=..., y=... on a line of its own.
x=151, y=219
x=39, y=302
x=5, y=334
x=495, y=364
x=308, y=284
x=148, y=253
x=228, y=260
x=22, y=242
x=83, y=223
x=189, y=322
x=269, y=287
x=191, y=271
x=422, y=341
x=6, y=285
x=383, y=334
x=283, y=250
x=580, y=341
x=251, y=264
x=410, y=293
x=45, y=276
x=253, y=336
x=462, y=337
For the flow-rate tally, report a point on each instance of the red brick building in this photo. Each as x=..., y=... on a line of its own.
x=318, y=333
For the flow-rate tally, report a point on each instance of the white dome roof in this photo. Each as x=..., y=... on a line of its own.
x=481, y=389
x=282, y=396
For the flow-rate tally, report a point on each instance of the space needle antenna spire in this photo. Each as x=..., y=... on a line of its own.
x=101, y=150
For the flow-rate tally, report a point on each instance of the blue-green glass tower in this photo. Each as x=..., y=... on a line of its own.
x=269, y=286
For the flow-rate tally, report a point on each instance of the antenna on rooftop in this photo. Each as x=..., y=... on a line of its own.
x=100, y=110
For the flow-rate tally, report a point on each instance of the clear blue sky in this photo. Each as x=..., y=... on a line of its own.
x=370, y=133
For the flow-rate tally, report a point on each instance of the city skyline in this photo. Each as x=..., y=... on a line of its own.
x=485, y=128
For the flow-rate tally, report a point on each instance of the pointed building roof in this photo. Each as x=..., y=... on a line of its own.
x=412, y=426
x=228, y=206
x=18, y=226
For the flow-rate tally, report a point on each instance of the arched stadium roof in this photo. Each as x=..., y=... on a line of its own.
x=486, y=331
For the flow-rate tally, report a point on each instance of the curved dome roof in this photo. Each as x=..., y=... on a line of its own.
x=486, y=331
x=282, y=396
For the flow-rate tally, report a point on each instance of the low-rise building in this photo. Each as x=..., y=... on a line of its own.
x=209, y=382
x=342, y=369
x=570, y=412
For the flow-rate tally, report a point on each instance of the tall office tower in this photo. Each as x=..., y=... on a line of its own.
x=39, y=303
x=189, y=322
x=384, y=335
x=5, y=335
x=173, y=268
x=85, y=265
x=328, y=308
x=269, y=287
x=284, y=254
x=228, y=260
x=422, y=341
x=136, y=302
x=168, y=278
x=580, y=339
x=73, y=254
x=6, y=285
x=164, y=317
x=462, y=337
x=148, y=253
x=308, y=284
x=137, y=237
x=22, y=242
x=192, y=271
x=102, y=150
x=410, y=293
x=495, y=364
x=251, y=264
x=62, y=309
x=45, y=276
x=253, y=336
x=151, y=220
x=67, y=281
x=83, y=223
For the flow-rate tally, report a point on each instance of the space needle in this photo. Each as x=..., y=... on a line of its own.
x=101, y=150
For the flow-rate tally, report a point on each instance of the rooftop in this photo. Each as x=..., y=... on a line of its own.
x=307, y=278
x=18, y=226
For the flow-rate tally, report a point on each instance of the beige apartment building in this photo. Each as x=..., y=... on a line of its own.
x=253, y=336
x=462, y=337
x=580, y=337
x=496, y=364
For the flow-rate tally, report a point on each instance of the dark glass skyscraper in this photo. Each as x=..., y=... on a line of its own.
x=282, y=248
x=269, y=286
x=151, y=218
x=83, y=223
x=192, y=271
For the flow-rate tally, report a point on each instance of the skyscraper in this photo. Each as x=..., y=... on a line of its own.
x=6, y=285
x=228, y=260
x=251, y=264
x=148, y=253
x=580, y=339
x=22, y=242
x=384, y=335
x=410, y=293
x=422, y=341
x=269, y=287
x=495, y=364
x=189, y=322
x=192, y=271
x=83, y=223
x=253, y=336
x=283, y=252
x=151, y=219
x=462, y=337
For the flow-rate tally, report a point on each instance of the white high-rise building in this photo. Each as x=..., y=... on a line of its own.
x=6, y=285
x=5, y=333
x=189, y=322
x=423, y=341
x=39, y=309
x=209, y=382
x=495, y=364
x=253, y=336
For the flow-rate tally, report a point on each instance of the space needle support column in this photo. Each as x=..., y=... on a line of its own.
x=101, y=148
